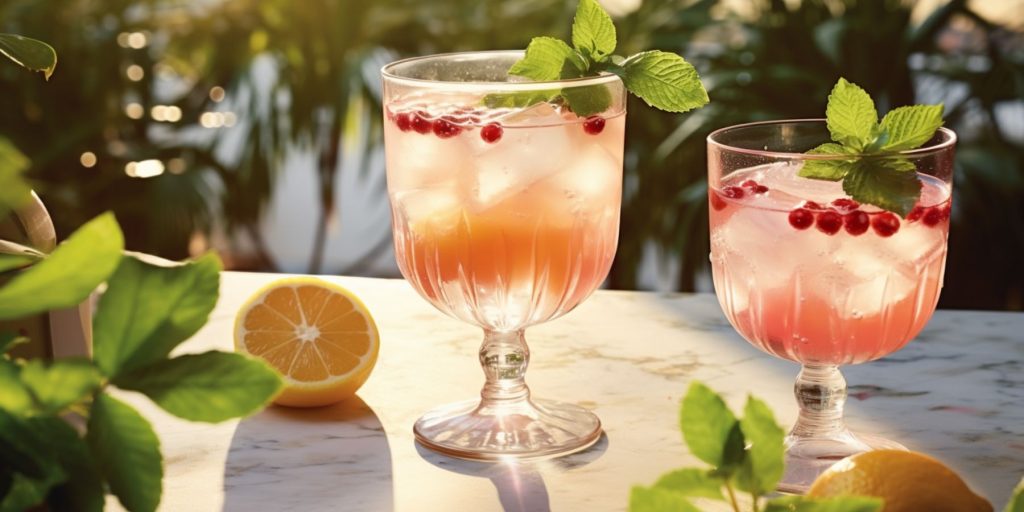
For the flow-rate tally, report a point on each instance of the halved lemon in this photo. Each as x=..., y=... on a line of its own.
x=320, y=336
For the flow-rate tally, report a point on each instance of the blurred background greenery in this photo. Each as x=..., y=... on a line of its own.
x=254, y=126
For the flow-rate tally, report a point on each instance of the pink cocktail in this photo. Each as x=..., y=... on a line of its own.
x=807, y=274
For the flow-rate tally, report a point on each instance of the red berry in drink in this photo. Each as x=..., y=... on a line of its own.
x=445, y=128
x=811, y=205
x=886, y=224
x=845, y=204
x=404, y=121
x=915, y=214
x=856, y=222
x=420, y=123
x=760, y=189
x=933, y=216
x=829, y=222
x=733, y=192
x=491, y=133
x=717, y=202
x=801, y=218
x=593, y=125
x=749, y=184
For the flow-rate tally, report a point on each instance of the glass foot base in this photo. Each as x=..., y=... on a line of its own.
x=806, y=458
x=526, y=429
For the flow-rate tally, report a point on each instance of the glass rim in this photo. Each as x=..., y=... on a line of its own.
x=387, y=72
x=950, y=141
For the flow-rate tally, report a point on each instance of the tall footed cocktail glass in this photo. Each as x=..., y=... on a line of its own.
x=807, y=274
x=504, y=216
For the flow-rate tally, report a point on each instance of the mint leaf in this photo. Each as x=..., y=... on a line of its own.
x=127, y=451
x=520, y=99
x=82, y=491
x=664, y=80
x=709, y=426
x=655, y=499
x=29, y=53
x=889, y=183
x=851, y=115
x=910, y=127
x=15, y=398
x=593, y=33
x=588, y=100
x=837, y=504
x=1016, y=503
x=148, y=310
x=831, y=170
x=762, y=467
x=548, y=59
x=60, y=383
x=692, y=482
x=14, y=192
x=212, y=387
x=68, y=275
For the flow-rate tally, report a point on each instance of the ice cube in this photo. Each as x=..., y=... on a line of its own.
x=868, y=297
x=591, y=181
x=773, y=248
x=435, y=204
x=865, y=276
x=418, y=161
x=783, y=178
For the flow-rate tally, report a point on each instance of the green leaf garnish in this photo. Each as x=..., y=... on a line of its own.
x=663, y=80
x=707, y=425
x=762, y=467
x=872, y=173
x=127, y=451
x=60, y=383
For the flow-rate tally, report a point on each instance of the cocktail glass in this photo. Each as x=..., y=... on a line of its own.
x=805, y=273
x=505, y=211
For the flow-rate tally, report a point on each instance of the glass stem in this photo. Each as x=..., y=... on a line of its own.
x=504, y=357
x=821, y=393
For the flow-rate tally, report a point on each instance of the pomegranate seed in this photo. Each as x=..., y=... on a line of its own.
x=801, y=218
x=420, y=123
x=491, y=133
x=947, y=211
x=751, y=184
x=404, y=121
x=856, y=222
x=733, y=192
x=845, y=205
x=886, y=224
x=811, y=205
x=445, y=128
x=593, y=125
x=760, y=189
x=717, y=202
x=933, y=216
x=829, y=222
x=915, y=214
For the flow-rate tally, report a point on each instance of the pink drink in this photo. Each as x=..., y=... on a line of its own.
x=817, y=298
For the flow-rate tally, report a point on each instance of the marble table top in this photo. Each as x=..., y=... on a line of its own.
x=956, y=392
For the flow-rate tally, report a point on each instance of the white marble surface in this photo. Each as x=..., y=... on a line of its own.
x=957, y=392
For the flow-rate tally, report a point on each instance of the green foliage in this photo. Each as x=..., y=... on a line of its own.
x=29, y=53
x=147, y=310
x=664, y=80
x=1016, y=503
x=593, y=33
x=13, y=190
x=746, y=454
x=890, y=183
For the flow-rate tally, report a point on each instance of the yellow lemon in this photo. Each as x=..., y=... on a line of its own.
x=319, y=335
x=907, y=481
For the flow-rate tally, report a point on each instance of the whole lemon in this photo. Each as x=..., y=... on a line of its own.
x=907, y=481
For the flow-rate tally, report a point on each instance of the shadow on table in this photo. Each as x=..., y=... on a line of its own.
x=520, y=485
x=330, y=458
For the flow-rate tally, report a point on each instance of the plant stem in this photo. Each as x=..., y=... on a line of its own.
x=732, y=497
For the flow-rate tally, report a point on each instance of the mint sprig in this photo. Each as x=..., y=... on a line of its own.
x=872, y=173
x=663, y=80
x=745, y=454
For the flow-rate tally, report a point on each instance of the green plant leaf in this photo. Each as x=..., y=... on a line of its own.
x=15, y=398
x=910, y=127
x=547, y=59
x=664, y=80
x=26, y=493
x=127, y=452
x=15, y=261
x=60, y=383
x=23, y=450
x=29, y=53
x=588, y=100
x=837, y=504
x=212, y=387
x=14, y=191
x=520, y=99
x=692, y=482
x=593, y=32
x=148, y=310
x=762, y=467
x=889, y=183
x=9, y=340
x=831, y=170
x=709, y=427
x=656, y=499
x=1016, y=503
x=851, y=115
x=82, y=491
x=68, y=275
